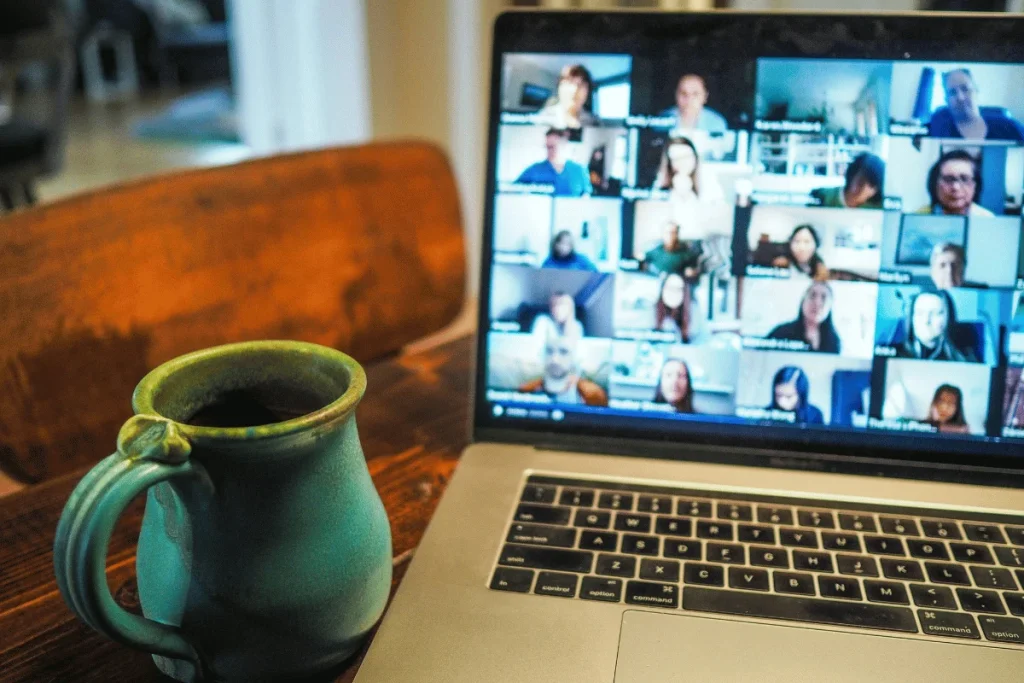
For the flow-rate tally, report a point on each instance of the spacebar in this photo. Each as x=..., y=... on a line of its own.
x=836, y=612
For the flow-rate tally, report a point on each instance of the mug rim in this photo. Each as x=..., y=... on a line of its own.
x=338, y=409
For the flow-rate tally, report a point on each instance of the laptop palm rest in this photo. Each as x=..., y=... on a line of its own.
x=662, y=648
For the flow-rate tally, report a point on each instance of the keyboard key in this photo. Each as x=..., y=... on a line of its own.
x=941, y=572
x=853, y=522
x=652, y=594
x=848, y=543
x=774, y=515
x=1015, y=534
x=883, y=545
x=1015, y=601
x=640, y=524
x=1010, y=557
x=756, y=534
x=583, y=498
x=1003, y=629
x=857, y=565
x=509, y=579
x=976, y=600
x=726, y=552
x=737, y=512
x=984, y=533
x=905, y=570
x=993, y=577
x=769, y=606
x=948, y=624
x=933, y=596
x=693, y=508
x=674, y=526
x=703, y=574
x=536, y=534
x=605, y=590
x=592, y=519
x=656, y=504
x=927, y=550
x=839, y=587
x=616, y=565
x=899, y=526
x=542, y=514
x=814, y=562
x=817, y=519
x=606, y=541
x=640, y=545
x=886, y=591
x=748, y=579
x=718, y=531
x=659, y=570
x=683, y=550
x=616, y=501
x=791, y=582
x=769, y=557
x=944, y=529
x=537, y=557
x=798, y=538
x=551, y=583
x=975, y=554
x=538, y=493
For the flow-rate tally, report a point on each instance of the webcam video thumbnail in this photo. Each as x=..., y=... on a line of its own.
x=548, y=161
x=920, y=396
x=666, y=307
x=550, y=302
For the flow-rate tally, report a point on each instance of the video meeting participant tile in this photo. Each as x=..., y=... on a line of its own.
x=917, y=397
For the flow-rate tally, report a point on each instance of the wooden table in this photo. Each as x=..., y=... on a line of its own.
x=413, y=423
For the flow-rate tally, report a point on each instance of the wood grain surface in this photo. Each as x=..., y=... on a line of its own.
x=356, y=248
x=413, y=425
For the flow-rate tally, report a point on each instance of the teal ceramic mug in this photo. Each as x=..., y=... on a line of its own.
x=265, y=551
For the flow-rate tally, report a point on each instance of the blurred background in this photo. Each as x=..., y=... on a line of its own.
x=95, y=92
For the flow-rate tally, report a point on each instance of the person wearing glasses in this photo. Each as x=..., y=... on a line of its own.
x=954, y=183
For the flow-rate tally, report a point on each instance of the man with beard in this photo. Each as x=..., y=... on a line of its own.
x=561, y=380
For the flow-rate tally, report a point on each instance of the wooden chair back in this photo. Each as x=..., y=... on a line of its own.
x=358, y=248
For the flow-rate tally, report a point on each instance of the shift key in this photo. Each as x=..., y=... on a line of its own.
x=546, y=558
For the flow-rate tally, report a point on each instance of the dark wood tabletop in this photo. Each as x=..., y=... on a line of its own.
x=413, y=425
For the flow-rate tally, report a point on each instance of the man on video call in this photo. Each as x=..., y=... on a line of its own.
x=673, y=255
x=561, y=380
x=569, y=178
x=691, y=112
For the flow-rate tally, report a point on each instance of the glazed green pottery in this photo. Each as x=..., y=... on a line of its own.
x=265, y=551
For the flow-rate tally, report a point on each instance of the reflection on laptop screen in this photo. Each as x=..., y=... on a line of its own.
x=839, y=249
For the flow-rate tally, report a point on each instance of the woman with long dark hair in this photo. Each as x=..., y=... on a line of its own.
x=674, y=386
x=813, y=325
x=931, y=318
x=802, y=253
x=679, y=168
x=672, y=312
x=790, y=388
x=946, y=411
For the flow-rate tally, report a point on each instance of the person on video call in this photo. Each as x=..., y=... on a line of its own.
x=564, y=256
x=947, y=264
x=561, y=380
x=676, y=311
x=947, y=410
x=604, y=186
x=801, y=255
x=679, y=173
x=962, y=117
x=813, y=325
x=954, y=182
x=569, y=107
x=865, y=179
x=930, y=318
x=790, y=389
x=560, y=320
x=674, y=386
x=569, y=178
x=673, y=255
x=691, y=111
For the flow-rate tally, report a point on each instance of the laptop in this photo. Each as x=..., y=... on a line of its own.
x=748, y=401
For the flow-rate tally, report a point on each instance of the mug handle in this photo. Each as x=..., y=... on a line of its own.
x=150, y=450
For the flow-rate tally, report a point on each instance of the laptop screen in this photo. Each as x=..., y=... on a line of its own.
x=816, y=249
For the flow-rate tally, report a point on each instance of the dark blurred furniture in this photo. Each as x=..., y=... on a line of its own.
x=32, y=143
x=358, y=248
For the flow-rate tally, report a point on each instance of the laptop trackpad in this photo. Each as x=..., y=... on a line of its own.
x=658, y=648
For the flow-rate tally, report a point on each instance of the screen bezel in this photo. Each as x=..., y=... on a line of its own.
x=972, y=37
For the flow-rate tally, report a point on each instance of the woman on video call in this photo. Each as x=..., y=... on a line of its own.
x=954, y=183
x=790, y=389
x=674, y=386
x=675, y=310
x=802, y=254
x=813, y=325
x=564, y=256
x=930, y=318
x=947, y=410
x=569, y=108
x=560, y=321
x=865, y=178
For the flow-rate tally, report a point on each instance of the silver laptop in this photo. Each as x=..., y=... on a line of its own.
x=748, y=404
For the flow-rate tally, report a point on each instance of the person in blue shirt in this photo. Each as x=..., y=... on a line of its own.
x=691, y=112
x=962, y=116
x=569, y=178
x=790, y=389
x=564, y=255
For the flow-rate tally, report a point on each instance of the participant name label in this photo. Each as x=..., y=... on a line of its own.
x=769, y=271
x=774, y=344
x=766, y=414
x=894, y=277
x=907, y=129
x=526, y=188
x=518, y=397
x=901, y=425
x=646, y=335
x=789, y=126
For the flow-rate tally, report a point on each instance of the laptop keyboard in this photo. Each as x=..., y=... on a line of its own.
x=930, y=572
